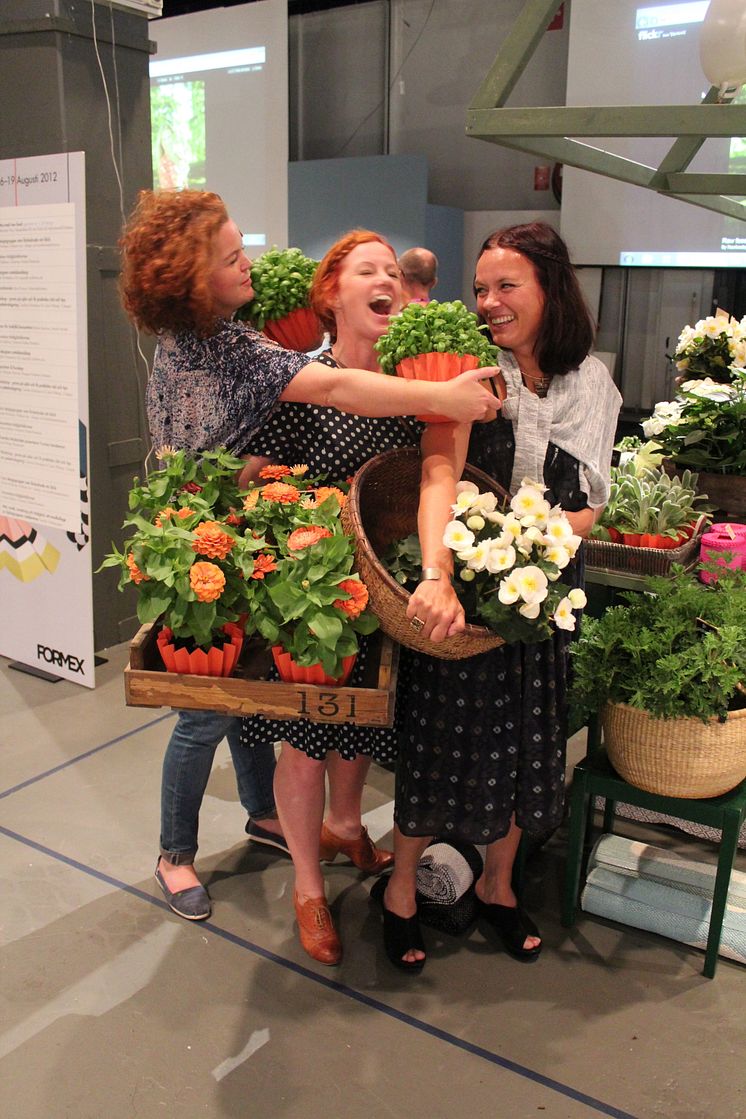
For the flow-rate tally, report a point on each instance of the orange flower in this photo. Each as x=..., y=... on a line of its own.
x=250, y=500
x=169, y=512
x=233, y=519
x=299, y=470
x=358, y=600
x=306, y=536
x=280, y=492
x=275, y=472
x=263, y=564
x=136, y=575
x=207, y=581
x=211, y=540
x=323, y=492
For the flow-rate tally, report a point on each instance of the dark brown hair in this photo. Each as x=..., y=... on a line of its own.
x=567, y=327
x=167, y=258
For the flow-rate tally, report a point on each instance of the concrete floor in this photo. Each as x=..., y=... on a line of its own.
x=113, y=1008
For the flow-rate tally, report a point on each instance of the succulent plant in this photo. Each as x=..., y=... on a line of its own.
x=648, y=501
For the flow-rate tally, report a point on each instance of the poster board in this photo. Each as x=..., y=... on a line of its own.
x=45, y=550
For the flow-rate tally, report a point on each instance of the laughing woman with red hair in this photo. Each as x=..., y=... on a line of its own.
x=357, y=286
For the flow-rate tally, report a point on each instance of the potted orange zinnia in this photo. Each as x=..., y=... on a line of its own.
x=187, y=558
x=310, y=606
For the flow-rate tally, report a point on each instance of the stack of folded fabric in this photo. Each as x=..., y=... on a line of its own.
x=650, y=888
x=446, y=874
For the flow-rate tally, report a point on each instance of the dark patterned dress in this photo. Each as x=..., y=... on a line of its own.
x=331, y=443
x=485, y=737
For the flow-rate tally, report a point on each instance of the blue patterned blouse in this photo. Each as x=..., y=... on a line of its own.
x=216, y=391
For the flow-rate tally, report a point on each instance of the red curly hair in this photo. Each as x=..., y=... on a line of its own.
x=326, y=280
x=167, y=246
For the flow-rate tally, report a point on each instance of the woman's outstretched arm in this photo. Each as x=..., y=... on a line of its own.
x=364, y=393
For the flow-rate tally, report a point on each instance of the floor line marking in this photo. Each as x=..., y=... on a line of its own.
x=81, y=757
x=340, y=988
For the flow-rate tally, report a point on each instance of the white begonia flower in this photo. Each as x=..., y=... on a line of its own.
x=466, y=554
x=512, y=528
x=533, y=535
x=500, y=559
x=495, y=518
x=457, y=536
x=558, y=530
x=563, y=616
x=709, y=390
x=712, y=327
x=462, y=503
x=484, y=502
x=573, y=544
x=529, y=502
x=466, y=487
x=475, y=523
x=530, y=610
x=557, y=553
x=478, y=557
x=739, y=352
x=577, y=598
x=508, y=592
x=686, y=336
x=531, y=582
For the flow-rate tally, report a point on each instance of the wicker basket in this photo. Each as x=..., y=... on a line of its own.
x=675, y=757
x=381, y=508
x=605, y=555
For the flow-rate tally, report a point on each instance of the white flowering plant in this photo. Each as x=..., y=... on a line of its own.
x=702, y=429
x=710, y=348
x=508, y=561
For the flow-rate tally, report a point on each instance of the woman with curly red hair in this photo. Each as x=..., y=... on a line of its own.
x=356, y=288
x=216, y=382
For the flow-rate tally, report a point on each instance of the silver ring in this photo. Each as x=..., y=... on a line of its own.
x=417, y=623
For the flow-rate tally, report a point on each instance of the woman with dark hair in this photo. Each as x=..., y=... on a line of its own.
x=216, y=381
x=483, y=740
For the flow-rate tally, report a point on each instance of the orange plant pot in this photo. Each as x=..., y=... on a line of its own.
x=214, y=662
x=435, y=367
x=294, y=673
x=300, y=330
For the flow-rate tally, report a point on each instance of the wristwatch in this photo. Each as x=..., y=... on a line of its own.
x=430, y=573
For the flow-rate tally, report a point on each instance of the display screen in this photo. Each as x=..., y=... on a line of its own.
x=626, y=53
x=214, y=112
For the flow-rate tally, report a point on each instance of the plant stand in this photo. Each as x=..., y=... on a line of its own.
x=594, y=777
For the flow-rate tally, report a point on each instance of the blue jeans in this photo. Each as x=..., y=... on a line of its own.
x=186, y=770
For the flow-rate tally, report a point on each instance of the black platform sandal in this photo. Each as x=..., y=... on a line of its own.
x=512, y=925
x=400, y=934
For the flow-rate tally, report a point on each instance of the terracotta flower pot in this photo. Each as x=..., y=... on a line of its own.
x=435, y=367
x=295, y=673
x=300, y=330
x=198, y=662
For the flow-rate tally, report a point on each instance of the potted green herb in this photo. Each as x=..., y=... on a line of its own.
x=281, y=279
x=666, y=671
x=434, y=342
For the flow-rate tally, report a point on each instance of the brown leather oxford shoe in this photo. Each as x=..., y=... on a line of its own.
x=317, y=933
x=362, y=852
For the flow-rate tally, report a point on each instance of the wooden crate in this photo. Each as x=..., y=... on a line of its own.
x=249, y=692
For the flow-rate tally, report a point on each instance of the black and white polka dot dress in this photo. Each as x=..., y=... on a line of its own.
x=336, y=444
x=485, y=737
